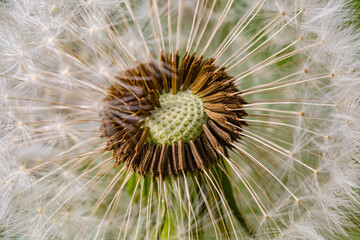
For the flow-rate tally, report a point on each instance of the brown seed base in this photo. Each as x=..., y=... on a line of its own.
x=137, y=93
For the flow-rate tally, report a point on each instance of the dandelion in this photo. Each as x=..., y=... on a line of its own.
x=179, y=119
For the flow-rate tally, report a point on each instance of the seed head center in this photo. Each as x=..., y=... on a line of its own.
x=180, y=117
x=172, y=117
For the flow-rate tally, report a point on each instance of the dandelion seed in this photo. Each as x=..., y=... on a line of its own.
x=179, y=119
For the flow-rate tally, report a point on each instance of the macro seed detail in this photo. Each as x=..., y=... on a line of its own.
x=180, y=116
x=172, y=116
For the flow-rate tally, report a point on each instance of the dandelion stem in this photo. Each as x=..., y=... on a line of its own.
x=230, y=198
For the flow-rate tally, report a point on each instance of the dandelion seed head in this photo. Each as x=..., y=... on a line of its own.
x=172, y=115
x=274, y=154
